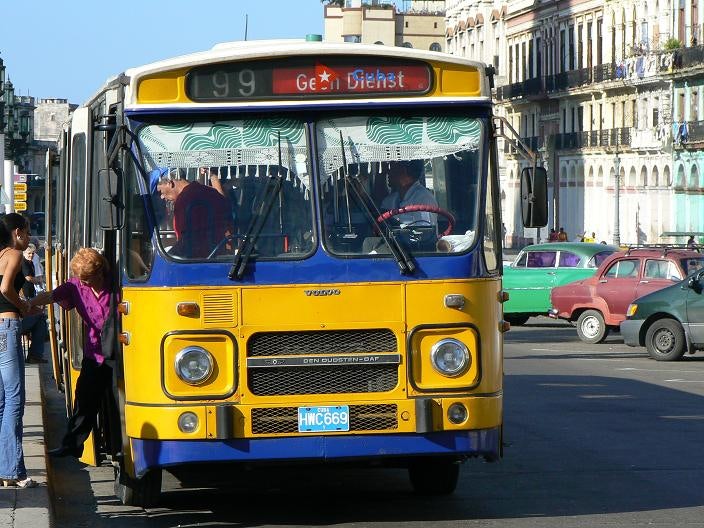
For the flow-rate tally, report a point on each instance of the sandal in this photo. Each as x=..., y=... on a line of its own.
x=24, y=483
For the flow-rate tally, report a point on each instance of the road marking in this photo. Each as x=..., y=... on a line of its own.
x=664, y=370
x=579, y=352
x=683, y=381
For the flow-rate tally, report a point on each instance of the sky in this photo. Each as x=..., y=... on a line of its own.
x=68, y=49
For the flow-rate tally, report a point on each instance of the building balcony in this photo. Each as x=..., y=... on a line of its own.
x=688, y=135
x=632, y=70
x=533, y=143
x=613, y=137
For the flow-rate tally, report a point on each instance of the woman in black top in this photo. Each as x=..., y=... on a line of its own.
x=14, y=238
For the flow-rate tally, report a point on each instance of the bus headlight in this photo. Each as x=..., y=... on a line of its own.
x=450, y=357
x=194, y=365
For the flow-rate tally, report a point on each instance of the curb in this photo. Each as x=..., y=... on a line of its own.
x=32, y=507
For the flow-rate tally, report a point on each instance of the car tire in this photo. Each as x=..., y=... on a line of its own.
x=516, y=319
x=591, y=327
x=665, y=340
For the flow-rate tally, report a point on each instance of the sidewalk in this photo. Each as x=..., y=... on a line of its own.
x=30, y=508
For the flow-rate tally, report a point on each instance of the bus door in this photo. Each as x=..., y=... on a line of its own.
x=49, y=252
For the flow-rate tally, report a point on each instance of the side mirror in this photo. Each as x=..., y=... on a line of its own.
x=111, y=206
x=534, y=196
x=694, y=284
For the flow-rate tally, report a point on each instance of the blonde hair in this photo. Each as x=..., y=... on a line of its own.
x=88, y=263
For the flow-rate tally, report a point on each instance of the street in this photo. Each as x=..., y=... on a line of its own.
x=596, y=435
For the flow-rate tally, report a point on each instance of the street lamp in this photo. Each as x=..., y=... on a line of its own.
x=617, y=196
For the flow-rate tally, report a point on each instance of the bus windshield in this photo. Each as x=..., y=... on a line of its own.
x=411, y=181
x=415, y=178
x=209, y=180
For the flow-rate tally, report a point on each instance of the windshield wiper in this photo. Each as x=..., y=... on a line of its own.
x=244, y=253
x=405, y=262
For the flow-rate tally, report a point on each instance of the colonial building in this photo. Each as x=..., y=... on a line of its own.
x=420, y=24
x=599, y=89
x=28, y=128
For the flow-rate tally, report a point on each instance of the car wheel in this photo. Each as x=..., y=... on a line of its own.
x=665, y=340
x=591, y=327
x=516, y=319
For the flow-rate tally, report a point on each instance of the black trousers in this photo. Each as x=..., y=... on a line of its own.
x=92, y=389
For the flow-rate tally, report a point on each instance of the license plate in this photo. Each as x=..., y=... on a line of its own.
x=323, y=419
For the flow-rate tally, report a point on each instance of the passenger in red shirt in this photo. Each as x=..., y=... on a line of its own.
x=202, y=216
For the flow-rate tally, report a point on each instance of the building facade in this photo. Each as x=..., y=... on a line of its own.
x=599, y=89
x=417, y=24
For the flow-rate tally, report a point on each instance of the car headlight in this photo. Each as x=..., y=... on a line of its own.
x=194, y=365
x=632, y=309
x=450, y=357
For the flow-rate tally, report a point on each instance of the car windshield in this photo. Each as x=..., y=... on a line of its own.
x=211, y=179
x=414, y=180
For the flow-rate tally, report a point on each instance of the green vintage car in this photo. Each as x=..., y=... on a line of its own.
x=537, y=269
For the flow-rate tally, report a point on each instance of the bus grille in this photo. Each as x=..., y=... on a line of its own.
x=332, y=379
x=362, y=418
x=329, y=342
x=322, y=380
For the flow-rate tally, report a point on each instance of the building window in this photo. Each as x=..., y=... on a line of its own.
x=435, y=25
x=562, y=50
x=435, y=47
x=380, y=43
x=634, y=113
x=407, y=45
x=693, y=106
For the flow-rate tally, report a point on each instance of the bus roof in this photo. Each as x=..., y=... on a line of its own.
x=267, y=49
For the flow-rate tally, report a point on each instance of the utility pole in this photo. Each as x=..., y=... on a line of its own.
x=617, y=194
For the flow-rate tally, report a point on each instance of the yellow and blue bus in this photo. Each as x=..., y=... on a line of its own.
x=344, y=313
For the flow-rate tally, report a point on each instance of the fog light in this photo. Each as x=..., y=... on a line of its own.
x=188, y=422
x=457, y=413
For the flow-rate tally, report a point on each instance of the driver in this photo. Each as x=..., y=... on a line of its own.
x=202, y=216
x=406, y=189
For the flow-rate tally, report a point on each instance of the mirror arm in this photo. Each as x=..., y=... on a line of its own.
x=503, y=129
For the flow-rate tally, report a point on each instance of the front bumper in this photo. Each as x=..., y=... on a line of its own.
x=164, y=453
x=630, y=330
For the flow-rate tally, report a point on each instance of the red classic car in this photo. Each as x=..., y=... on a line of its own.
x=599, y=303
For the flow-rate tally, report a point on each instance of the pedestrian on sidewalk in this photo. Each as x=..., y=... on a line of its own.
x=14, y=238
x=34, y=324
x=88, y=291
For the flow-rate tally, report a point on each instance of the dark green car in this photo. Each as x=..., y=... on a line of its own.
x=668, y=322
x=537, y=269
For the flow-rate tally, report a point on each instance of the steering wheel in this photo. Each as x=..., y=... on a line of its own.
x=421, y=209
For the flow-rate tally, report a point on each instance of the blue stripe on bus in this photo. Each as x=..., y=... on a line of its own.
x=319, y=269
x=484, y=107
x=163, y=453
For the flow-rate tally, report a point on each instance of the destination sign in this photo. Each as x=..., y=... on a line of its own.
x=329, y=76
